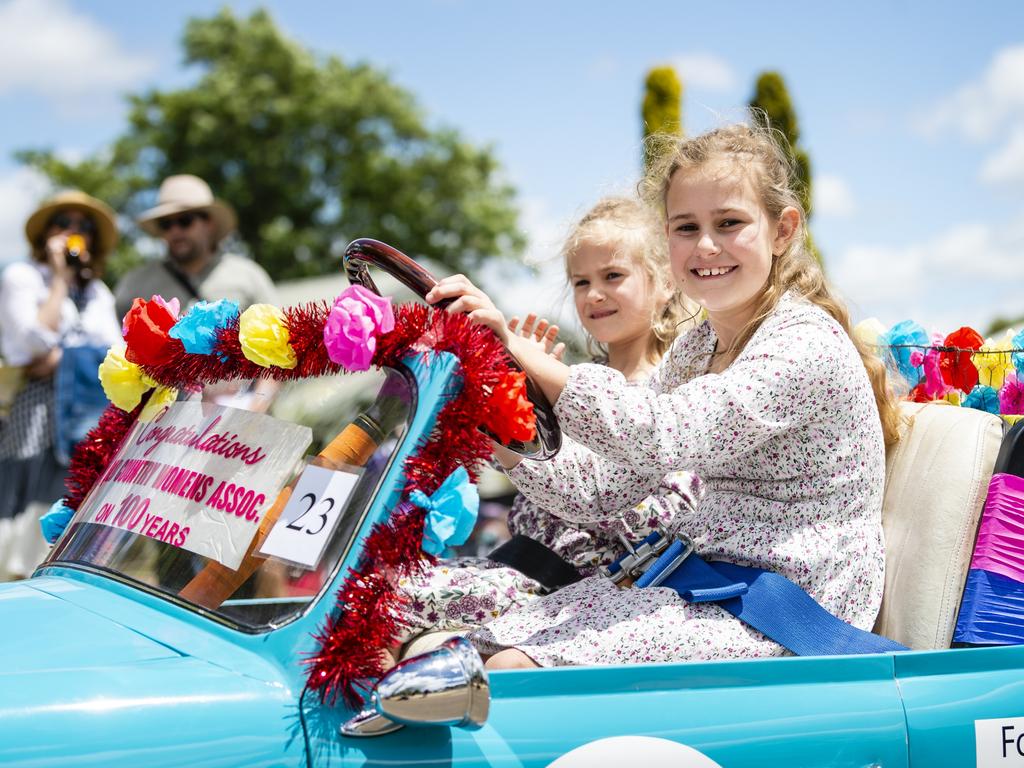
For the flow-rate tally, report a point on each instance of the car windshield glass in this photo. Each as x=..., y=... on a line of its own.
x=243, y=500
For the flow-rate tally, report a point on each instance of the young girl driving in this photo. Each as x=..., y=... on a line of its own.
x=617, y=268
x=770, y=401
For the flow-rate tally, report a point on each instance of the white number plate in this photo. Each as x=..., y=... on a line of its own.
x=308, y=520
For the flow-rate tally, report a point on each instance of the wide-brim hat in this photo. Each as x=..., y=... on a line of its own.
x=184, y=193
x=102, y=215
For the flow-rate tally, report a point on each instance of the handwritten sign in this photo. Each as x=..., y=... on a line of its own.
x=198, y=477
x=309, y=518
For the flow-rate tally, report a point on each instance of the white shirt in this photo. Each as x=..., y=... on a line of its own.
x=24, y=287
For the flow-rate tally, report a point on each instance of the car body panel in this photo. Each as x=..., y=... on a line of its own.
x=95, y=670
x=795, y=712
x=45, y=621
x=946, y=692
x=164, y=712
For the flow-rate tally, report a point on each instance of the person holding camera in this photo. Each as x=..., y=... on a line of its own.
x=56, y=321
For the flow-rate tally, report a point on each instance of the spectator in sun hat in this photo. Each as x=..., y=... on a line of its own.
x=56, y=322
x=193, y=224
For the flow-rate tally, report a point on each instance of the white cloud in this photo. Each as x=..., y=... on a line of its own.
x=20, y=192
x=966, y=275
x=49, y=47
x=1006, y=164
x=705, y=70
x=980, y=109
x=832, y=196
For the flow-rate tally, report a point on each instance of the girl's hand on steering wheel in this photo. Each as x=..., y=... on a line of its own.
x=540, y=332
x=472, y=301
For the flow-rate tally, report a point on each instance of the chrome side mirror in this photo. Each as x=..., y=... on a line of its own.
x=446, y=686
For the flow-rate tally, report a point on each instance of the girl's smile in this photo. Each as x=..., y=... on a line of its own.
x=713, y=272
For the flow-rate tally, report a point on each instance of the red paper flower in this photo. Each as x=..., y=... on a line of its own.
x=957, y=368
x=919, y=394
x=145, y=330
x=510, y=415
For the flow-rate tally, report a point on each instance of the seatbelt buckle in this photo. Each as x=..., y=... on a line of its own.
x=637, y=560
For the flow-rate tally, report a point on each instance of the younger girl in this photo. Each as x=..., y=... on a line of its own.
x=770, y=401
x=617, y=267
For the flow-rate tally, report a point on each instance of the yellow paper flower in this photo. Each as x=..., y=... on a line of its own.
x=994, y=360
x=264, y=337
x=953, y=397
x=868, y=331
x=161, y=396
x=123, y=382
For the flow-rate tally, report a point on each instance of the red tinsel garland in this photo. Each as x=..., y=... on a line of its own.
x=351, y=643
x=93, y=454
x=365, y=624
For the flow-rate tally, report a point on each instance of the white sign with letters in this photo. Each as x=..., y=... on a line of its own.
x=311, y=515
x=999, y=743
x=199, y=477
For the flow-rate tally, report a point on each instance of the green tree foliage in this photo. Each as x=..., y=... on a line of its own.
x=771, y=103
x=311, y=151
x=662, y=106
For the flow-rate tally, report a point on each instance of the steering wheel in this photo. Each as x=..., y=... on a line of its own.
x=364, y=253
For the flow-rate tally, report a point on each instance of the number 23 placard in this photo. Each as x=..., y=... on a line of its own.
x=309, y=517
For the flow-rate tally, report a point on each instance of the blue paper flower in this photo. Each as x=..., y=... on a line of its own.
x=56, y=520
x=451, y=512
x=903, y=339
x=198, y=329
x=982, y=398
x=1018, y=357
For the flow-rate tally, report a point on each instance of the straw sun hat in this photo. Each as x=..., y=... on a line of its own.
x=185, y=193
x=101, y=214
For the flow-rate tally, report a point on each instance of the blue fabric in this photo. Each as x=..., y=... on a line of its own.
x=982, y=398
x=903, y=339
x=55, y=521
x=991, y=611
x=197, y=330
x=773, y=605
x=79, y=400
x=451, y=512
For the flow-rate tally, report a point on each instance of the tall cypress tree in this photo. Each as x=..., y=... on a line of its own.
x=771, y=103
x=662, y=106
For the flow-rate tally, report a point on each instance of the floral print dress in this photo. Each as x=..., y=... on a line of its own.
x=464, y=593
x=789, y=445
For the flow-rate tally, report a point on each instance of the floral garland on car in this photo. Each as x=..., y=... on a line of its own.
x=962, y=368
x=166, y=353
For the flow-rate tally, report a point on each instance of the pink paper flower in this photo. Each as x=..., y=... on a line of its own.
x=935, y=386
x=357, y=318
x=1011, y=396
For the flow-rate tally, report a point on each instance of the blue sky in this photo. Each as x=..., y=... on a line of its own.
x=913, y=114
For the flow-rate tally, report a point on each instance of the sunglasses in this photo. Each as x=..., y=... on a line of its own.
x=83, y=225
x=183, y=220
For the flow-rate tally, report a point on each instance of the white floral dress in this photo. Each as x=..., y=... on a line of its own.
x=788, y=443
x=466, y=592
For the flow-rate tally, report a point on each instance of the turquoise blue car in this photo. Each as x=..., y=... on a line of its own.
x=114, y=654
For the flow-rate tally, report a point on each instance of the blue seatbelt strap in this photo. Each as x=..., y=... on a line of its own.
x=768, y=602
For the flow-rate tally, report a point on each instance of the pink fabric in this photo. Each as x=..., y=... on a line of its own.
x=1000, y=545
x=356, y=319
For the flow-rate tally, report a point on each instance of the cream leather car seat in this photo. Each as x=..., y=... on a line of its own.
x=936, y=481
